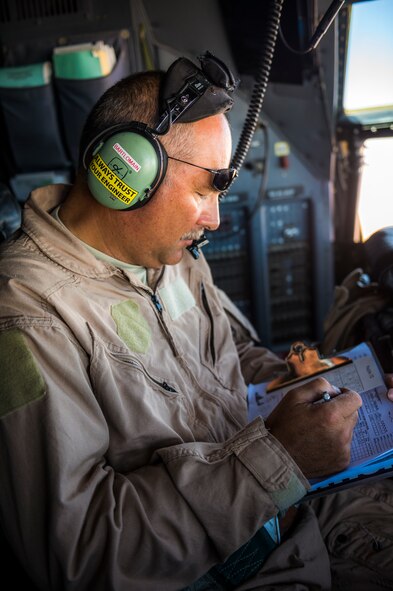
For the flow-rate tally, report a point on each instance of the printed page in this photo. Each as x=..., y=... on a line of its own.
x=373, y=434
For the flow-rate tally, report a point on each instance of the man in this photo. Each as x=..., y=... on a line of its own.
x=127, y=462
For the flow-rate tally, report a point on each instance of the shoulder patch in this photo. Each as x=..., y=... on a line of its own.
x=21, y=380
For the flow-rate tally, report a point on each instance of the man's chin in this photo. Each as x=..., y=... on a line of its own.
x=174, y=257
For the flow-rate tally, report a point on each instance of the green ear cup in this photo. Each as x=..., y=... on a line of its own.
x=125, y=169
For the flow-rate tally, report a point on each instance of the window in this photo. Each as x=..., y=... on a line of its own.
x=368, y=86
x=375, y=205
x=368, y=103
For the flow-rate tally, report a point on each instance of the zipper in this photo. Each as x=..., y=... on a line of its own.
x=167, y=387
x=146, y=292
x=163, y=384
x=208, y=311
x=158, y=306
x=156, y=302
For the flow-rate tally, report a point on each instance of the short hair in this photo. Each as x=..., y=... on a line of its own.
x=134, y=98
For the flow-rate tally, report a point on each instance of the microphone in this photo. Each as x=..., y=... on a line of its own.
x=193, y=249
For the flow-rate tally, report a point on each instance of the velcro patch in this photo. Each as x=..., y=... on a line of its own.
x=177, y=298
x=21, y=380
x=132, y=327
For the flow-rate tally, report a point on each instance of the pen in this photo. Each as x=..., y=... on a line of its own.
x=326, y=396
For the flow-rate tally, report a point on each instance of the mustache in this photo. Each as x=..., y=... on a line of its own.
x=192, y=235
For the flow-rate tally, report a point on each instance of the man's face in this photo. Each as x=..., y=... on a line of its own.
x=185, y=204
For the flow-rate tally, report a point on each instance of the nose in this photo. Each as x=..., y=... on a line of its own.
x=209, y=216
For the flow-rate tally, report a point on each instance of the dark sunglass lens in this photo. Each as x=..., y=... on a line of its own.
x=217, y=71
x=223, y=178
x=217, y=74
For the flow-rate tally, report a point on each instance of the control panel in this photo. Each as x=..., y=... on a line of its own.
x=273, y=264
x=290, y=274
x=228, y=253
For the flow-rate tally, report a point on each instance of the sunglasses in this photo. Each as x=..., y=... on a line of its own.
x=222, y=178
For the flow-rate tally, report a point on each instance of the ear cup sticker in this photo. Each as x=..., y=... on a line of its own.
x=107, y=175
x=127, y=157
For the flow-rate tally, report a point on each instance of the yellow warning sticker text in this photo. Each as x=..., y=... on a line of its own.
x=111, y=181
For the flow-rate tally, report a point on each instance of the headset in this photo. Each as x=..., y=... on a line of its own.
x=126, y=163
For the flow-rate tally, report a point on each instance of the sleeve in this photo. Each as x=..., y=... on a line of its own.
x=258, y=363
x=77, y=524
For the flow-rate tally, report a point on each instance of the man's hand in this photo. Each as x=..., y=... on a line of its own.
x=389, y=383
x=316, y=434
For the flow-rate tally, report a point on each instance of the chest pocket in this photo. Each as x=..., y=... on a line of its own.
x=199, y=318
x=144, y=408
x=217, y=351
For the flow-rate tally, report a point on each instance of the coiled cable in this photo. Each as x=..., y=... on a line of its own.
x=261, y=81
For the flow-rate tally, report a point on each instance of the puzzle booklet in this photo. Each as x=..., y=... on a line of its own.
x=372, y=444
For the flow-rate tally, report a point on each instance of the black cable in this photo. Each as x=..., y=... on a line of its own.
x=261, y=192
x=259, y=90
x=256, y=101
x=290, y=48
